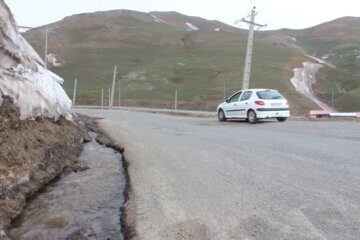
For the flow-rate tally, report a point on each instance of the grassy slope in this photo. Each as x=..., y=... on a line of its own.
x=340, y=86
x=198, y=64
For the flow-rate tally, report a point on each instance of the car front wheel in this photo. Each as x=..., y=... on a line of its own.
x=221, y=115
x=251, y=117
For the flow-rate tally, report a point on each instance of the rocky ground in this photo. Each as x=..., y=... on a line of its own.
x=32, y=153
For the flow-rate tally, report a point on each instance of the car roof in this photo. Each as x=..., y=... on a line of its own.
x=259, y=89
x=256, y=90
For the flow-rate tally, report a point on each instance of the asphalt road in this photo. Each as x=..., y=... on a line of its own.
x=197, y=178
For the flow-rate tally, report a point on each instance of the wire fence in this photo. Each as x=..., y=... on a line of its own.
x=184, y=97
x=174, y=99
x=200, y=99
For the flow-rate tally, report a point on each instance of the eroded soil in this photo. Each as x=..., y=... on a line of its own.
x=32, y=153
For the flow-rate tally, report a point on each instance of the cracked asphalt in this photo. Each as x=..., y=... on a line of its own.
x=197, y=178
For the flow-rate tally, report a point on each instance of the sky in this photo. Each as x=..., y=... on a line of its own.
x=275, y=13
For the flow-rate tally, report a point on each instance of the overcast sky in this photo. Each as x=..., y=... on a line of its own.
x=275, y=13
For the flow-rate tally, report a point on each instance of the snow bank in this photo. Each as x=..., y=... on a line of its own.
x=35, y=90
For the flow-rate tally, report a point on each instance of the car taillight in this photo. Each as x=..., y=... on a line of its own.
x=262, y=103
x=286, y=103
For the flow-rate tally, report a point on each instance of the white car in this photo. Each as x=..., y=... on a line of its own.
x=254, y=104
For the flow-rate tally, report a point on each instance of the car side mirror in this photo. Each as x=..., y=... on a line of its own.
x=227, y=100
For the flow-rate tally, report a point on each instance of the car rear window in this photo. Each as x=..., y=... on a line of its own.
x=268, y=94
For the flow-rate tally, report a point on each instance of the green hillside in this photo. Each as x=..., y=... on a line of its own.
x=336, y=41
x=155, y=58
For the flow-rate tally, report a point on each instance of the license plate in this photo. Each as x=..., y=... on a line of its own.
x=275, y=104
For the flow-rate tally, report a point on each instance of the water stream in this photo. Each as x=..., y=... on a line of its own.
x=82, y=205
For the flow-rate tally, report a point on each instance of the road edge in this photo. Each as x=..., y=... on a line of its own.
x=127, y=211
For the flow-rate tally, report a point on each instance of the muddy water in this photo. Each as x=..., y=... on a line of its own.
x=82, y=205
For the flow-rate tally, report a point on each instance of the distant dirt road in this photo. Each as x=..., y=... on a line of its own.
x=197, y=178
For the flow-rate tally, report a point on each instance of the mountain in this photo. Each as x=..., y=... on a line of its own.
x=336, y=41
x=159, y=52
x=179, y=20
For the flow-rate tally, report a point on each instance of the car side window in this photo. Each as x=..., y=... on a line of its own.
x=235, y=98
x=246, y=96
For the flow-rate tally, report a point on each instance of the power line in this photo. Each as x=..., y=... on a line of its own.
x=247, y=67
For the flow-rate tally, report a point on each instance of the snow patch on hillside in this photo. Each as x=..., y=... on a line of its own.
x=35, y=90
x=159, y=20
x=191, y=27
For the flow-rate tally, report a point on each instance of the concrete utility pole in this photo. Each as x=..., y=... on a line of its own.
x=113, y=88
x=109, y=98
x=74, y=95
x=102, y=98
x=176, y=95
x=119, y=92
x=46, y=45
x=247, y=67
x=224, y=91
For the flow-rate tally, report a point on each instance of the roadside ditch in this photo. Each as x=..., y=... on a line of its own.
x=86, y=201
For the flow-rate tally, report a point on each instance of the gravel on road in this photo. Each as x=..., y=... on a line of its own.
x=197, y=178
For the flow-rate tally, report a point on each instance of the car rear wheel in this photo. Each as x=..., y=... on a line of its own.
x=221, y=115
x=251, y=117
x=281, y=119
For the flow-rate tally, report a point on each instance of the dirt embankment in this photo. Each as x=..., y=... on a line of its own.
x=32, y=152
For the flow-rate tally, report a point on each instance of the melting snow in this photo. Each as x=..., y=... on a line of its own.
x=53, y=59
x=159, y=20
x=35, y=90
x=303, y=80
x=191, y=27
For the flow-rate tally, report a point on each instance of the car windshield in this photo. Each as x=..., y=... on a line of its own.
x=269, y=95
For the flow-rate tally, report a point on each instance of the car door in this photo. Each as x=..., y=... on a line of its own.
x=231, y=105
x=244, y=104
